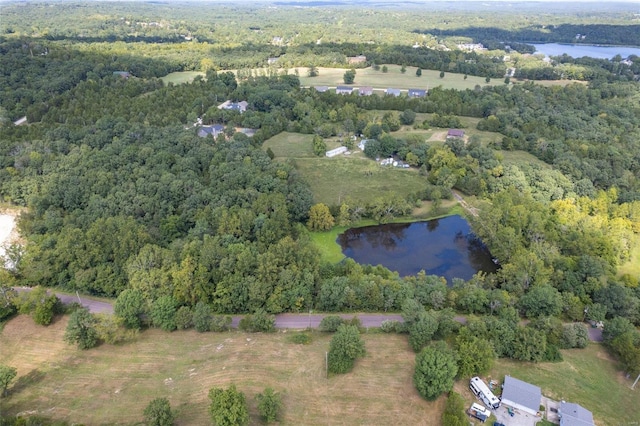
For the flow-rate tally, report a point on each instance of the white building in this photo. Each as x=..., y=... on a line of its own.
x=336, y=151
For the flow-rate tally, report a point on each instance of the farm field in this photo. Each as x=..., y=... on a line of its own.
x=113, y=384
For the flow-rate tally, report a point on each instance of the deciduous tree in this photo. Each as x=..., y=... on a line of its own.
x=320, y=218
x=346, y=346
x=7, y=374
x=435, y=370
x=228, y=407
x=269, y=405
x=158, y=413
x=81, y=329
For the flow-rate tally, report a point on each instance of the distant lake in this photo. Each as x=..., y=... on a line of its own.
x=580, y=50
x=444, y=247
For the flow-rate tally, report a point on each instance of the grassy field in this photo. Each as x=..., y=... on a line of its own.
x=291, y=145
x=519, y=157
x=113, y=384
x=377, y=79
x=587, y=377
x=334, y=180
x=181, y=77
x=632, y=267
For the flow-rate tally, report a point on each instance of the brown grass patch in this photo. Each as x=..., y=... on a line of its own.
x=113, y=384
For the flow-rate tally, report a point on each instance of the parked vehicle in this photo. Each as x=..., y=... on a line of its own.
x=479, y=412
x=482, y=391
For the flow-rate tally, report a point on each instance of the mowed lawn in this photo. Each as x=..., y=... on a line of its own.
x=113, y=384
x=586, y=376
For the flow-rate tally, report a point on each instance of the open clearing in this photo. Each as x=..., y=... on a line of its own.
x=338, y=179
x=394, y=78
x=113, y=384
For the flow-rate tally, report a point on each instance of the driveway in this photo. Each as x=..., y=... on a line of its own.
x=520, y=418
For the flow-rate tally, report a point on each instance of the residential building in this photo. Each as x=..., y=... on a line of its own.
x=365, y=91
x=455, y=133
x=344, y=90
x=521, y=395
x=392, y=92
x=213, y=131
x=336, y=151
x=417, y=93
x=234, y=106
x=574, y=415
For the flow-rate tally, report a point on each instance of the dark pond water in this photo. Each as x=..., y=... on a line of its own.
x=444, y=247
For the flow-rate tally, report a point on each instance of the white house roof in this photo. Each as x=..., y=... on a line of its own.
x=521, y=393
x=574, y=415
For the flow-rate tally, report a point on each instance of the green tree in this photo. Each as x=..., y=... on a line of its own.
x=39, y=304
x=403, y=69
x=441, y=74
x=418, y=72
x=346, y=346
x=228, y=407
x=184, y=318
x=7, y=374
x=313, y=71
x=81, y=329
x=385, y=68
x=529, y=345
x=349, y=76
x=487, y=79
x=454, y=413
x=435, y=370
x=163, y=313
x=422, y=330
x=475, y=354
x=407, y=117
x=269, y=405
x=158, y=413
x=202, y=317
x=319, y=146
x=330, y=323
x=130, y=307
x=320, y=218
x=541, y=300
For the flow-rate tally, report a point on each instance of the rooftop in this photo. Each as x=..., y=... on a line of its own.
x=522, y=393
x=575, y=415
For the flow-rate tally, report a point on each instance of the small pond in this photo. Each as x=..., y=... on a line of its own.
x=444, y=247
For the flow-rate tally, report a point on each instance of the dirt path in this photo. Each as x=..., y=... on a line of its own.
x=438, y=137
x=472, y=210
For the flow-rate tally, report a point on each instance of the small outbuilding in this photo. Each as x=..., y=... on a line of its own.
x=574, y=415
x=455, y=133
x=336, y=151
x=521, y=395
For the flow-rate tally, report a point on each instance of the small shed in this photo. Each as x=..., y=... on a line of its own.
x=336, y=151
x=455, y=133
x=574, y=415
x=521, y=395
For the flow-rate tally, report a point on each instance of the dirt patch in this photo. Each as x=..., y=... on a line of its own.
x=438, y=137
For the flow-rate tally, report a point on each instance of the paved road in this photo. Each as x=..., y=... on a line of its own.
x=290, y=321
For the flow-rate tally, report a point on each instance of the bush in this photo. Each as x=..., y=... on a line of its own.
x=220, y=323
x=300, y=338
x=269, y=405
x=346, y=346
x=163, y=313
x=330, y=323
x=390, y=326
x=257, y=322
x=228, y=407
x=158, y=413
x=184, y=318
x=81, y=329
x=435, y=370
x=111, y=330
x=202, y=317
x=574, y=336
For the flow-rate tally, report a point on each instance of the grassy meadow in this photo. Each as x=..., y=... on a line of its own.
x=113, y=384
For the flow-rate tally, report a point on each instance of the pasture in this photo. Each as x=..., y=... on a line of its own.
x=113, y=384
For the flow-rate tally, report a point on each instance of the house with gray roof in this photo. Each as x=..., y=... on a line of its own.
x=366, y=91
x=392, y=92
x=234, y=106
x=344, y=90
x=521, y=395
x=574, y=415
x=213, y=131
x=417, y=93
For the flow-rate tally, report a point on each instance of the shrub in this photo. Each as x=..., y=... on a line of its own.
x=390, y=326
x=574, y=336
x=220, y=323
x=299, y=338
x=184, y=318
x=202, y=317
x=330, y=323
x=346, y=346
x=269, y=405
x=259, y=321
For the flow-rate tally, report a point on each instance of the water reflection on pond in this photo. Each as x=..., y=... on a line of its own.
x=444, y=247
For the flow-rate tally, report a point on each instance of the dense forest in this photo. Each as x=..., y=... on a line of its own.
x=122, y=194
